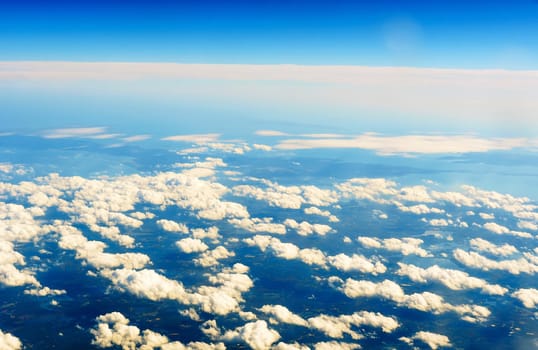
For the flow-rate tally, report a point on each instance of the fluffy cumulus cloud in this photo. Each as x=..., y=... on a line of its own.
x=283, y=315
x=513, y=266
x=453, y=279
x=114, y=330
x=433, y=340
x=333, y=326
x=290, y=197
x=191, y=245
x=528, y=296
x=502, y=230
x=9, y=342
x=313, y=256
x=256, y=225
x=305, y=228
x=221, y=297
x=486, y=246
x=256, y=334
x=356, y=262
x=425, y=301
x=172, y=226
x=406, y=245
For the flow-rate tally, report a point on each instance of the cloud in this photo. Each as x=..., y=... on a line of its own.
x=408, y=144
x=335, y=345
x=513, y=266
x=172, y=226
x=270, y=133
x=283, y=315
x=136, y=138
x=114, y=329
x=502, y=230
x=9, y=342
x=356, y=262
x=486, y=246
x=305, y=228
x=453, y=279
x=337, y=326
x=528, y=296
x=191, y=245
x=423, y=92
x=256, y=334
x=193, y=138
x=406, y=245
x=426, y=301
x=259, y=225
x=433, y=340
x=74, y=132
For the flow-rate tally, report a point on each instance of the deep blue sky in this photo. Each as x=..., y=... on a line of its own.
x=464, y=34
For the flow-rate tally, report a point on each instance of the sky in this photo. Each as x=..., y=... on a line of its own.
x=395, y=67
x=442, y=34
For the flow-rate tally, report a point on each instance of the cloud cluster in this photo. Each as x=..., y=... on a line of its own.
x=513, y=266
x=406, y=245
x=288, y=197
x=425, y=301
x=453, y=279
x=528, y=296
x=114, y=330
x=313, y=256
x=486, y=246
x=433, y=340
x=9, y=342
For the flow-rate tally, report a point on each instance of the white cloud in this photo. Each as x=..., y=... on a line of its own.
x=409, y=144
x=172, y=226
x=439, y=222
x=74, y=132
x=406, y=245
x=453, y=279
x=287, y=251
x=289, y=197
x=114, y=329
x=527, y=225
x=212, y=257
x=6, y=167
x=318, y=211
x=9, y=342
x=486, y=246
x=433, y=340
x=528, y=296
x=270, y=133
x=502, y=230
x=335, y=345
x=191, y=245
x=426, y=301
x=356, y=263
x=422, y=92
x=486, y=216
x=261, y=147
x=256, y=225
x=305, y=228
x=283, y=315
x=513, y=266
x=136, y=138
x=287, y=346
x=193, y=138
x=256, y=334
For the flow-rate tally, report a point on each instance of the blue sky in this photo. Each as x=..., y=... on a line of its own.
x=455, y=34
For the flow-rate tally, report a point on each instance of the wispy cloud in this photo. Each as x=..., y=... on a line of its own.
x=93, y=132
x=136, y=138
x=461, y=96
x=408, y=144
x=193, y=138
